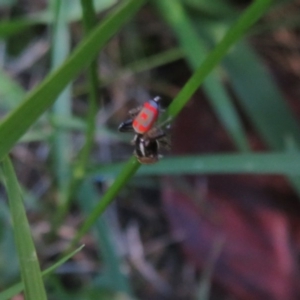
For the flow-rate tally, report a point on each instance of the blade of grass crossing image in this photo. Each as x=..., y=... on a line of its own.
x=29, y=265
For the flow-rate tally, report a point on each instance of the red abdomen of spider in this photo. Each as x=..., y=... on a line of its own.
x=146, y=118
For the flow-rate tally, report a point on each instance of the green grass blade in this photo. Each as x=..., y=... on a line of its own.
x=256, y=163
x=196, y=51
x=127, y=172
x=246, y=20
x=30, y=269
x=89, y=20
x=11, y=93
x=141, y=65
x=17, y=122
x=18, y=287
x=261, y=99
x=154, y=61
x=251, y=15
x=9, y=28
x=88, y=14
x=62, y=107
x=264, y=104
x=117, y=279
x=8, y=272
x=35, y=136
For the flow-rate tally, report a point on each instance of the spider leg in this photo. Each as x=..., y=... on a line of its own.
x=133, y=141
x=126, y=126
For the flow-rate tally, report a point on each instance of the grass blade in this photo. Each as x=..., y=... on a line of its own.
x=251, y=15
x=11, y=93
x=30, y=269
x=261, y=99
x=195, y=50
x=18, y=287
x=62, y=106
x=89, y=20
x=141, y=65
x=117, y=279
x=256, y=163
x=264, y=104
x=8, y=28
x=18, y=121
x=127, y=172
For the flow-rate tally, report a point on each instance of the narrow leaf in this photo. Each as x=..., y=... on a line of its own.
x=127, y=172
x=17, y=122
x=251, y=15
x=263, y=102
x=11, y=27
x=256, y=163
x=196, y=50
x=30, y=269
x=18, y=287
x=61, y=41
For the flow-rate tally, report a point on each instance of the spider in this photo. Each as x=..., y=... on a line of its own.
x=148, y=138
